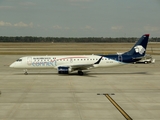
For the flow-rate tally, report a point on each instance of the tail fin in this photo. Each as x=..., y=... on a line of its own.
x=139, y=49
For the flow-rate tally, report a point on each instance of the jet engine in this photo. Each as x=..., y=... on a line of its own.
x=64, y=70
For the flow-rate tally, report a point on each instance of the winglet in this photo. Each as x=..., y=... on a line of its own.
x=98, y=61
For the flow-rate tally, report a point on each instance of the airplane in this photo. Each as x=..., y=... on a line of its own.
x=69, y=63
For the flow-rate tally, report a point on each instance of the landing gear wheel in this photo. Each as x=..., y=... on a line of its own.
x=25, y=72
x=80, y=73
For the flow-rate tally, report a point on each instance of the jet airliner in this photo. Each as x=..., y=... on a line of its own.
x=69, y=63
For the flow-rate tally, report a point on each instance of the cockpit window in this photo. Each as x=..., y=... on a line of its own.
x=19, y=60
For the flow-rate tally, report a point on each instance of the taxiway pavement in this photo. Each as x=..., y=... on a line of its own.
x=45, y=95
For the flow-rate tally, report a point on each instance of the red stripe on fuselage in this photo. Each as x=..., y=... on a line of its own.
x=71, y=57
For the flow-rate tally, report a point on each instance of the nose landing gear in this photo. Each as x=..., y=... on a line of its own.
x=25, y=72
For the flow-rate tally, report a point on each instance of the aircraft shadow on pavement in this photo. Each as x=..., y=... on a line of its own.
x=38, y=73
x=117, y=73
x=87, y=74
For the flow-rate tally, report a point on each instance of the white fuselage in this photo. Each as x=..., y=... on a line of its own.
x=56, y=61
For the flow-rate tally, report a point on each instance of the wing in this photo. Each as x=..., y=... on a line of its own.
x=74, y=67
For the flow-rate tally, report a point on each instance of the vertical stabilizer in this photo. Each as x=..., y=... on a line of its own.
x=139, y=49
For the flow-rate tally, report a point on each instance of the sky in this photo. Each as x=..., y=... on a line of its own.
x=80, y=18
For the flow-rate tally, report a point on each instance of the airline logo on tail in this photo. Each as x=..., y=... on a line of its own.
x=139, y=49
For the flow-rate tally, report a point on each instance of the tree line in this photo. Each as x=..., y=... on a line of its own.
x=71, y=40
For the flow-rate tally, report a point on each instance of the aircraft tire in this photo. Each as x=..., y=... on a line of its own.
x=80, y=73
x=26, y=73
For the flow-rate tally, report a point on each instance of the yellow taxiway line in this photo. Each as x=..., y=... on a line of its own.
x=116, y=105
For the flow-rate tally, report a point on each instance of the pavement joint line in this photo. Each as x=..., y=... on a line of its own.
x=116, y=105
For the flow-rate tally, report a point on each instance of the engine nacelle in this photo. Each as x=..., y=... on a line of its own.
x=64, y=70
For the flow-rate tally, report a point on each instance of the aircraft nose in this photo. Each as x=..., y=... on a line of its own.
x=12, y=65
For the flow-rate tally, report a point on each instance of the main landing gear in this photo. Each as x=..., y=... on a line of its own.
x=25, y=72
x=80, y=72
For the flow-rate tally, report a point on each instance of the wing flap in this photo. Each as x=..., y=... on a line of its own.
x=82, y=66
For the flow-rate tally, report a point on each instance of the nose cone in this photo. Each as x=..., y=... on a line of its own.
x=12, y=65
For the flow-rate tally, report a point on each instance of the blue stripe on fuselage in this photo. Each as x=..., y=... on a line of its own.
x=122, y=58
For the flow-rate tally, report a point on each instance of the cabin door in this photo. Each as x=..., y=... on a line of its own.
x=71, y=60
x=29, y=60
